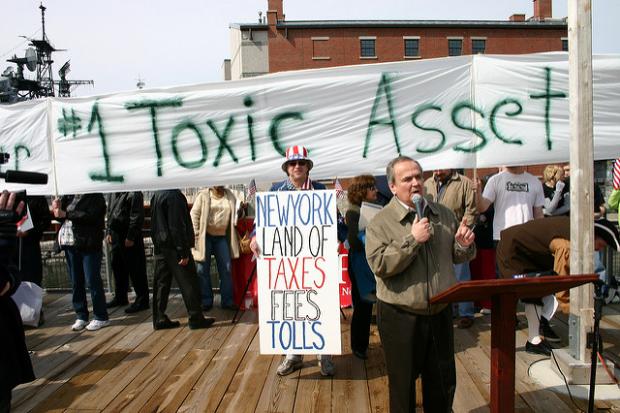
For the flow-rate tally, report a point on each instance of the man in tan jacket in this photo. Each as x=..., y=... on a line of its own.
x=412, y=259
x=450, y=188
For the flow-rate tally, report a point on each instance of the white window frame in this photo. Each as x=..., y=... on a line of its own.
x=419, y=43
x=360, y=38
x=472, y=38
x=461, y=38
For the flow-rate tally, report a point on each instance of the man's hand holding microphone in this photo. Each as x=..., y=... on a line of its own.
x=421, y=227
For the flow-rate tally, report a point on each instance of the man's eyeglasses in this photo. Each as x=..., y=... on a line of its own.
x=295, y=163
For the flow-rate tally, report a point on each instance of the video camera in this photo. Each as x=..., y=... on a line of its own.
x=21, y=177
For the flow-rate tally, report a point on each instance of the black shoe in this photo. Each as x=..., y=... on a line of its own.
x=546, y=331
x=204, y=323
x=542, y=348
x=206, y=307
x=362, y=355
x=138, y=305
x=166, y=324
x=116, y=303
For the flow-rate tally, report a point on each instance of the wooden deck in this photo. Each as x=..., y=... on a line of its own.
x=129, y=367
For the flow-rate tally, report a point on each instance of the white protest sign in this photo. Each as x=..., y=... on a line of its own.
x=457, y=112
x=298, y=272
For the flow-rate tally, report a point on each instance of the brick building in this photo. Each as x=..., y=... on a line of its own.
x=275, y=44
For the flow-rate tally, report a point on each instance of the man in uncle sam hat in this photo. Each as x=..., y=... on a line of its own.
x=297, y=166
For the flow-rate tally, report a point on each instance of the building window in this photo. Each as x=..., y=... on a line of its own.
x=455, y=47
x=367, y=48
x=412, y=47
x=320, y=48
x=478, y=46
x=564, y=44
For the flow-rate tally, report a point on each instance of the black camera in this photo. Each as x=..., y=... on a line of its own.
x=21, y=177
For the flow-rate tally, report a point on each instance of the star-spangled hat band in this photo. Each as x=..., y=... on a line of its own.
x=297, y=153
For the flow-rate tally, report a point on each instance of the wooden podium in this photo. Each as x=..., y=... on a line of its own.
x=504, y=294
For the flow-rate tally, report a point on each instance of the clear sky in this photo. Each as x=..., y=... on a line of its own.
x=169, y=43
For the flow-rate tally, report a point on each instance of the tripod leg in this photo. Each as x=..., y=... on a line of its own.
x=245, y=291
x=596, y=342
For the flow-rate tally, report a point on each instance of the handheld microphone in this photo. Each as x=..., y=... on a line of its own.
x=418, y=201
x=22, y=177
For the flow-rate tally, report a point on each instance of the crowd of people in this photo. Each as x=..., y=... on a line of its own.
x=419, y=244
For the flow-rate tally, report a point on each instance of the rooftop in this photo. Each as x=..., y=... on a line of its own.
x=304, y=24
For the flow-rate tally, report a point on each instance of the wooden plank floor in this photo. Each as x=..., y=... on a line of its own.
x=129, y=367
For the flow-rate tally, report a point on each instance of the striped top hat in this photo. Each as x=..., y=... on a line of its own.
x=297, y=153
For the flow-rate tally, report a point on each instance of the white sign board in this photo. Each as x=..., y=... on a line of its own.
x=457, y=112
x=298, y=272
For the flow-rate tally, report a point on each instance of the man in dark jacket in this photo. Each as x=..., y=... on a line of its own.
x=15, y=365
x=28, y=253
x=81, y=236
x=173, y=238
x=124, y=234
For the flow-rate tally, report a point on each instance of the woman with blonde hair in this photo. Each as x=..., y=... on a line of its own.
x=362, y=189
x=556, y=198
x=214, y=217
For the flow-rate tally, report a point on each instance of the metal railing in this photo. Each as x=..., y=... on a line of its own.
x=56, y=275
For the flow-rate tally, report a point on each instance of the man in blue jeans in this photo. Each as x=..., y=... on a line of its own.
x=81, y=236
x=456, y=192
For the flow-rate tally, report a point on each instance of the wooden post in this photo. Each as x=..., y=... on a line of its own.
x=503, y=353
x=582, y=166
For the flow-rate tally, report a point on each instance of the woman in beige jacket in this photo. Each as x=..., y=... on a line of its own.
x=214, y=217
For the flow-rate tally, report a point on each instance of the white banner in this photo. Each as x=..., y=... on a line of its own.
x=467, y=111
x=298, y=272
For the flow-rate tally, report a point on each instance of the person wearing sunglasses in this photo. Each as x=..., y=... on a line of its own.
x=297, y=167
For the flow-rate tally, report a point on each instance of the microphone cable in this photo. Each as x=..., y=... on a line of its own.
x=570, y=394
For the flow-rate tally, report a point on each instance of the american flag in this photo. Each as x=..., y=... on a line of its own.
x=251, y=190
x=340, y=193
x=617, y=174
